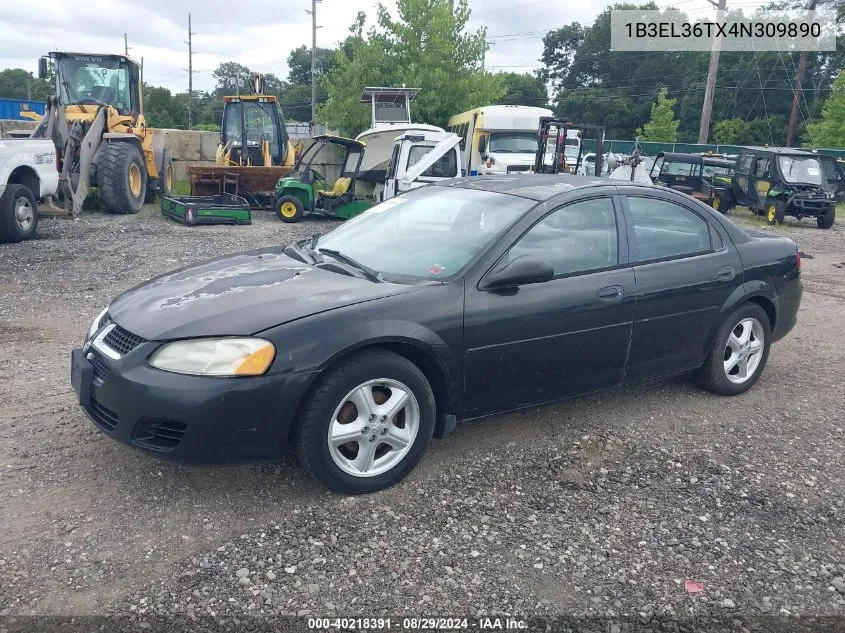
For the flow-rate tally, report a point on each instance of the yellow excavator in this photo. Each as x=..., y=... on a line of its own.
x=95, y=119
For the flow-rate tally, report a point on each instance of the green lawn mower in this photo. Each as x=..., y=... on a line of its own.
x=305, y=190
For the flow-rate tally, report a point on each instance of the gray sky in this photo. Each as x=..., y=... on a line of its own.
x=256, y=33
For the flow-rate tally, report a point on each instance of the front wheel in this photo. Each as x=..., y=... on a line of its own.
x=826, y=221
x=122, y=177
x=367, y=425
x=289, y=209
x=739, y=353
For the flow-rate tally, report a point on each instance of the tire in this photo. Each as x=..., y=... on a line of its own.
x=122, y=177
x=332, y=400
x=164, y=180
x=289, y=209
x=826, y=221
x=748, y=323
x=721, y=204
x=18, y=214
x=775, y=212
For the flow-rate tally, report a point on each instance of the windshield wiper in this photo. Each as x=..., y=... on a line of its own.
x=306, y=249
x=372, y=275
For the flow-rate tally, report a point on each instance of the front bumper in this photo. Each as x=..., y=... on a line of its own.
x=812, y=206
x=187, y=418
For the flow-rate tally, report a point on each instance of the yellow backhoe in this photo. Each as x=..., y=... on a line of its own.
x=96, y=122
x=254, y=150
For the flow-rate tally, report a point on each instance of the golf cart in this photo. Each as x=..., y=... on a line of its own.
x=692, y=174
x=305, y=190
x=776, y=182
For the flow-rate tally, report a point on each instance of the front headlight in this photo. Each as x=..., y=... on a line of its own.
x=227, y=356
x=95, y=325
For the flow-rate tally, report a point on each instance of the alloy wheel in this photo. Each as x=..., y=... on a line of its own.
x=374, y=427
x=744, y=350
x=24, y=214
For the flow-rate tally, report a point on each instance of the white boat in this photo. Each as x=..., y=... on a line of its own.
x=391, y=116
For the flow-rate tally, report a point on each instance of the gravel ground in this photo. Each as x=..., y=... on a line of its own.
x=603, y=506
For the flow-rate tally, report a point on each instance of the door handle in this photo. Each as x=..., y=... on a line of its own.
x=609, y=294
x=725, y=273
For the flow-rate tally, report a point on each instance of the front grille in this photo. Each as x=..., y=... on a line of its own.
x=516, y=168
x=160, y=435
x=105, y=418
x=101, y=368
x=122, y=341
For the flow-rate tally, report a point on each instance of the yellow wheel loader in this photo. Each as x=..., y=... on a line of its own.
x=101, y=136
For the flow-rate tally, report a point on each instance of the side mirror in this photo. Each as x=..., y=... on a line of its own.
x=482, y=145
x=42, y=68
x=521, y=271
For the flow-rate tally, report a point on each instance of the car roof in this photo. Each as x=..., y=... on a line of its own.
x=781, y=150
x=539, y=187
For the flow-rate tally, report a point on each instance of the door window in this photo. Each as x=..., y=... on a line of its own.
x=576, y=238
x=744, y=163
x=665, y=230
x=761, y=167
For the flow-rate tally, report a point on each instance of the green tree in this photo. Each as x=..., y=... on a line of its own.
x=426, y=46
x=829, y=130
x=232, y=78
x=523, y=89
x=663, y=125
x=299, y=64
x=730, y=131
x=13, y=85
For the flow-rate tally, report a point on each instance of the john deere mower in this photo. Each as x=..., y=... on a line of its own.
x=305, y=190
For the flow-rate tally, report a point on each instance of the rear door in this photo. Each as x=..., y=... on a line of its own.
x=684, y=272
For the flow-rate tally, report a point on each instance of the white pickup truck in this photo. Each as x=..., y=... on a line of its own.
x=28, y=172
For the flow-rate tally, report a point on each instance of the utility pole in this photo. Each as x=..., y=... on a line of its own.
x=28, y=87
x=710, y=90
x=126, y=44
x=314, y=28
x=796, y=97
x=190, y=74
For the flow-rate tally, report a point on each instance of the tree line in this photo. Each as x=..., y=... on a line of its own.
x=427, y=44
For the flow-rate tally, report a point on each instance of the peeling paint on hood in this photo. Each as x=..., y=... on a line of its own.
x=239, y=295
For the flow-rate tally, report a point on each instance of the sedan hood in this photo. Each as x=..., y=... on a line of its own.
x=239, y=295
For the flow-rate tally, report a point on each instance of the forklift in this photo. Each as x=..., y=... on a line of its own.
x=551, y=148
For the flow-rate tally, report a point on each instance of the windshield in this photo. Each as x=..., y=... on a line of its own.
x=85, y=79
x=800, y=169
x=445, y=167
x=429, y=233
x=513, y=142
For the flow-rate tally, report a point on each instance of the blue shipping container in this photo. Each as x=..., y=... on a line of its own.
x=11, y=108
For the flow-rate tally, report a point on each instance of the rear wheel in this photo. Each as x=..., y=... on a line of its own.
x=721, y=203
x=826, y=221
x=165, y=179
x=775, y=212
x=289, y=209
x=368, y=423
x=739, y=353
x=122, y=177
x=18, y=214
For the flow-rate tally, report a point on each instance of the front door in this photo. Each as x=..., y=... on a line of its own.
x=567, y=336
x=684, y=275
